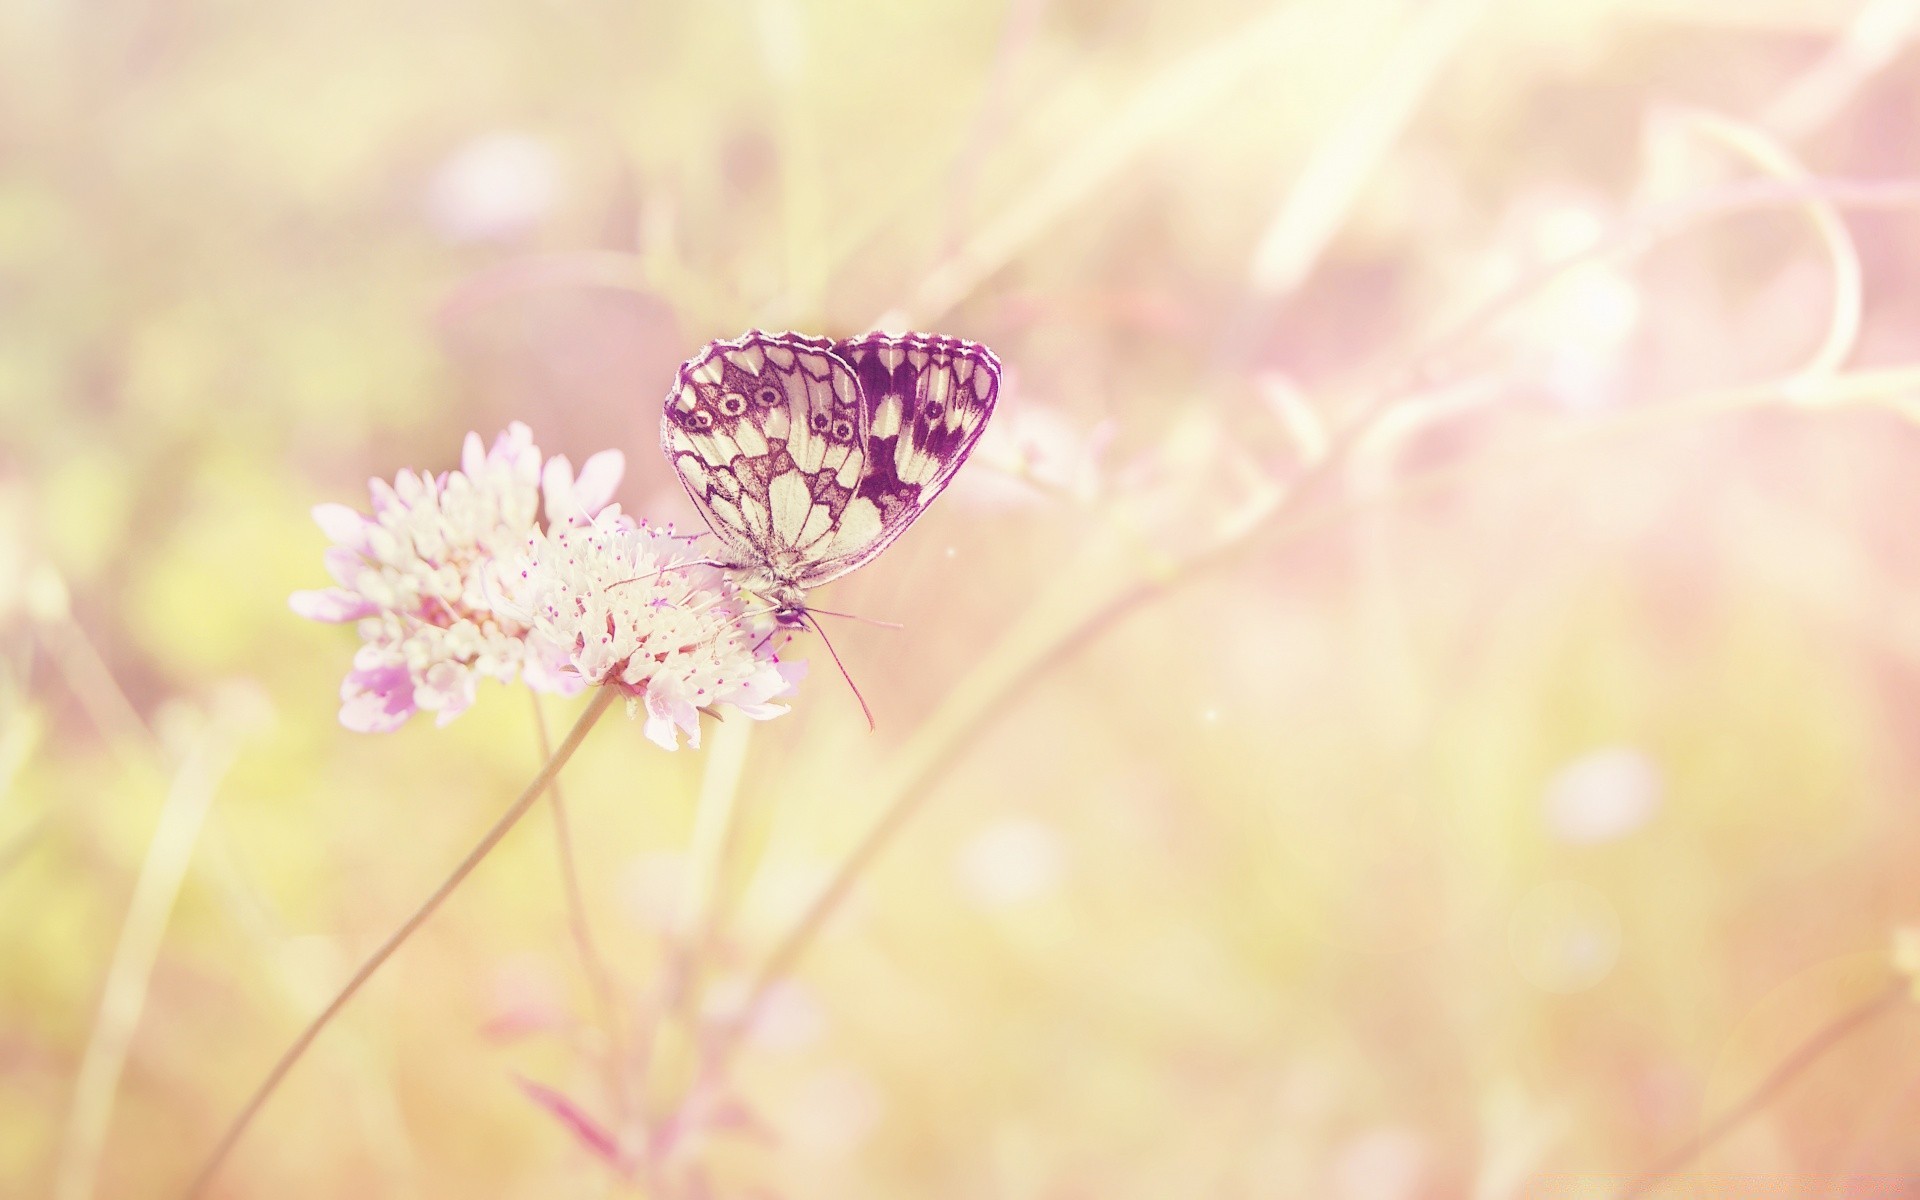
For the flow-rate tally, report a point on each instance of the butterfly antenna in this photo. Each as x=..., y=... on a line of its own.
x=808, y=617
x=827, y=612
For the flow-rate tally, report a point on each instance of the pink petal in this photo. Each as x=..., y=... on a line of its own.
x=661, y=732
x=341, y=524
x=667, y=714
x=598, y=478
x=447, y=688
x=515, y=449
x=368, y=713
x=343, y=564
x=331, y=604
x=591, y=1134
x=556, y=491
x=384, y=497
x=376, y=697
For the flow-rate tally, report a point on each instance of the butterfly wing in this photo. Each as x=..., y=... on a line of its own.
x=924, y=401
x=767, y=434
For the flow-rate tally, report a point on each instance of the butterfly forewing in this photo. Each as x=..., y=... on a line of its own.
x=767, y=435
x=808, y=457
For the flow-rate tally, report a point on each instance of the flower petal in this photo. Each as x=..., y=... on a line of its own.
x=515, y=449
x=598, y=478
x=334, y=605
x=344, y=565
x=592, y=1135
x=371, y=712
x=341, y=524
x=556, y=491
x=663, y=724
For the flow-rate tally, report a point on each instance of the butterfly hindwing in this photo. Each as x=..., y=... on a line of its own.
x=768, y=436
x=926, y=400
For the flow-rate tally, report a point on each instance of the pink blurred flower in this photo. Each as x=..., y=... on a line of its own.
x=413, y=576
x=634, y=607
x=1036, y=452
x=496, y=187
x=1603, y=796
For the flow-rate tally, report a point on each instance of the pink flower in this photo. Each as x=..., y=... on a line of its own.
x=413, y=576
x=635, y=607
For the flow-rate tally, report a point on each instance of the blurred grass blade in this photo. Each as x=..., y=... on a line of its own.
x=124, y=996
x=1179, y=95
x=1320, y=198
x=1757, y=146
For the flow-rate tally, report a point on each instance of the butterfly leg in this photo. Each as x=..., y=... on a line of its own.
x=698, y=562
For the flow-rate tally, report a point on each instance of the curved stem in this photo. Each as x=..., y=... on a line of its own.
x=1810, y=1052
x=1412, y=374
x=602, y=698
x=599, y=981
x=1296, y=513
x=908, y=796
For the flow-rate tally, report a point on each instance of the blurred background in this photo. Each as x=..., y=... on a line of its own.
x=1412, y=698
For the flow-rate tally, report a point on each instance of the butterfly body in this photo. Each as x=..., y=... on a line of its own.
x=808, y=456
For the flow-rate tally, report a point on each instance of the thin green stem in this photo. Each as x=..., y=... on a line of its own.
x=592, y=964
x=602, y=699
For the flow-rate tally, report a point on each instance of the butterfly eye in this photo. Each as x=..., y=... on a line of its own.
x=843, y=431
x=768, y=396
x=700, y=418
x=733, y=404
x=820, y=422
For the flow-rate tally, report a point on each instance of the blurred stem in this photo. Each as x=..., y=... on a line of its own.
x=14, y=852
x=93, y=684
x=1811, y=1051
x=993, y=689
x=985, y=696
x=599, y=982
x=123, y=997
x=1321, y=194
x=1634, y=235
x=710, y=848
x=1004, y=677
x=597, y=707
x=1177, y=95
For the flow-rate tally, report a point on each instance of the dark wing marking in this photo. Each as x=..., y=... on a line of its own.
x=925, y=400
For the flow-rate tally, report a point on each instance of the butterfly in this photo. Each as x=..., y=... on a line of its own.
x=808, y=456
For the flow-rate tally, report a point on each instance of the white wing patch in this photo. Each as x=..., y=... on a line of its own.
x=791, y=502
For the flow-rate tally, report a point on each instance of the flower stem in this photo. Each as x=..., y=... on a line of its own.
x=599, y=981
x=1810, y=1052
x=602, y=699
x=710, y=850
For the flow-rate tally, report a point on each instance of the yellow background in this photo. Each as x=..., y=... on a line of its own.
x=1471, y=809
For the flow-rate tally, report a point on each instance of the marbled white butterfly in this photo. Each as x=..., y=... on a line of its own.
x=809, y=456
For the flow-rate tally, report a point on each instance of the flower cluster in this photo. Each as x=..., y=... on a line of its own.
x=635, y=608
x=488, y=572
